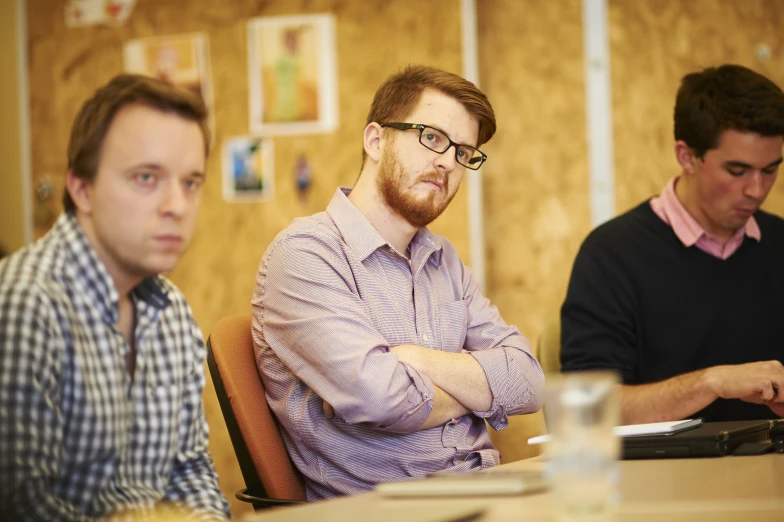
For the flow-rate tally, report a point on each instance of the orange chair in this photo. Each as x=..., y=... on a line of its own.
x=270, y=477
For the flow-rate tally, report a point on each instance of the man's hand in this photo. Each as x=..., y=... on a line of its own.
x=683, y=395
x=758, y=382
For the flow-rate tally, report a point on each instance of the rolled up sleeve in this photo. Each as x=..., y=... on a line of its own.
x=514, y=375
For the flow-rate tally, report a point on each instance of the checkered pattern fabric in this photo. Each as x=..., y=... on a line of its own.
x=78, y=438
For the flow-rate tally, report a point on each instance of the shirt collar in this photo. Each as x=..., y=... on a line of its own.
x=363, y=238
x=91, y=276
x=688, y=230
x=429, y=243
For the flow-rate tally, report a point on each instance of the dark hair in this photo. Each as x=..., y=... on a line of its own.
x=400, y=93
x=96, y=115
x=729, y=97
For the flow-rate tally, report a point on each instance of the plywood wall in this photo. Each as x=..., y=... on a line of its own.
x=535, y=182
x=12, y=210
x=652, y=45
x=536, y=204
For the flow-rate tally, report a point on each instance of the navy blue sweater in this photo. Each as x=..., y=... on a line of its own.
x=643, y=304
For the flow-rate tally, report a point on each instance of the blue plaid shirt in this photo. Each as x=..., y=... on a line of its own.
x=79, y=439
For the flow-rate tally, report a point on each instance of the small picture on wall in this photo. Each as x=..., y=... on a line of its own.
x=179, y=59
x=292, y=75
x=248, y=170
x=82, y=13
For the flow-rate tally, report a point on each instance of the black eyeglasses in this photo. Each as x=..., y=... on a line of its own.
x=437, y=141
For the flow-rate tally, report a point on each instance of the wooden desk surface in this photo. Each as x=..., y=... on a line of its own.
x=716, y=489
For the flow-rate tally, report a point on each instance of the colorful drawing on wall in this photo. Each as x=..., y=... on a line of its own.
x=248, y=169
x=303, y=177
x=292, y=75
x=180, y=59
x=81, y=13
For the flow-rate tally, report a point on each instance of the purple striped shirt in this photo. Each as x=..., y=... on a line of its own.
x=332, y=296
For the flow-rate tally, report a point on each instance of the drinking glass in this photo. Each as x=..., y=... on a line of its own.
x=581, y=409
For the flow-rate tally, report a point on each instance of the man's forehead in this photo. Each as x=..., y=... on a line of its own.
x=744, y=137
x=447, y=114
x=746, y=146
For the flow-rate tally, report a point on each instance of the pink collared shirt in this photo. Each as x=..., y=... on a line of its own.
x=671, y=211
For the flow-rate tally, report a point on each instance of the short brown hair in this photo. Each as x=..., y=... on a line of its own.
x=96, y=115
x=729, y=97
x=400, y=93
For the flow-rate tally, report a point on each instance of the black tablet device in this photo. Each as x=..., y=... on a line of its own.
x=712, y=439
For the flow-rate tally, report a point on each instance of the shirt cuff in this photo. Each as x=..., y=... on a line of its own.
x=495, y=366
x=418, y=403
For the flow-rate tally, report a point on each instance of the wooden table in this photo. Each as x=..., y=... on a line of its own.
x=746, y=489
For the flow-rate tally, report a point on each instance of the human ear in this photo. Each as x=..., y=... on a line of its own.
x=78, y=189
x=373, y=141
x=685, y=157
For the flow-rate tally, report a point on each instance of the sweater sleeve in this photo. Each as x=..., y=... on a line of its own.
x=599, y=315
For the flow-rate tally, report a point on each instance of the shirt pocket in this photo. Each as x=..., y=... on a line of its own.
x=453, y=318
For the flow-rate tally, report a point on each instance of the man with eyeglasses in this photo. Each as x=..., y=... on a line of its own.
x=380, y=356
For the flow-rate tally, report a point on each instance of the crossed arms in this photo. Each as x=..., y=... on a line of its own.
x=459, y=383
x=315, y=321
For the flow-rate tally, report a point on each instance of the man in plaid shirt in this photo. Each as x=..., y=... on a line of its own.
x=101, y=362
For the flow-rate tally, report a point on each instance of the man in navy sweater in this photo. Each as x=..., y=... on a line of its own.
x=684, y=295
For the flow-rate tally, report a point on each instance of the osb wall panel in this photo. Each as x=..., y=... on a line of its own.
x=374, y=39
x=12, y=209
x=653, y=43
x=535, y=181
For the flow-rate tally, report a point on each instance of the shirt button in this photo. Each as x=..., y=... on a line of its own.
x=425, y=337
